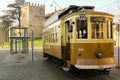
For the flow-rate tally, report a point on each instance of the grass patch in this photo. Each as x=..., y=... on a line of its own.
x=37, y=43
x=5, y=45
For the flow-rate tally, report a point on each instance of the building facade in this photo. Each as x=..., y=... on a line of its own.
x=33, y=17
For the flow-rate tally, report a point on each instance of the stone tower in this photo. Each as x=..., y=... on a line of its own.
x=33, y=17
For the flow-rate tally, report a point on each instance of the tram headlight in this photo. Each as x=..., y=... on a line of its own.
x=99, y=54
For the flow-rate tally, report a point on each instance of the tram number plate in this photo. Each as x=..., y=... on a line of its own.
x=97, y=19
x=82, y=17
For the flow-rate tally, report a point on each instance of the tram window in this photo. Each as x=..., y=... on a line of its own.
x=109, y=30
x=81, y=28
x=97, y=30
x=55, y=37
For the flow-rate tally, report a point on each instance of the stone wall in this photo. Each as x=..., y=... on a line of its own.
x=33, y=17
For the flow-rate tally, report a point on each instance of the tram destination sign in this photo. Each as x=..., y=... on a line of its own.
x=97, y=19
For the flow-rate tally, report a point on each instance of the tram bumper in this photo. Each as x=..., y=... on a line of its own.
x=103, y=63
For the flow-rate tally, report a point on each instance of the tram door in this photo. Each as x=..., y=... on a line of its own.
x=67, y=25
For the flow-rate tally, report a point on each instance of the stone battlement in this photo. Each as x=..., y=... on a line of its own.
x=33, y=4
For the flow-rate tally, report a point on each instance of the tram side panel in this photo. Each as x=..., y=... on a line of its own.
x=52, y=46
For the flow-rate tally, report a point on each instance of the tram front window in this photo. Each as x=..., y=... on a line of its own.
x=81, y=26
x=97, y=30
x=109, y=29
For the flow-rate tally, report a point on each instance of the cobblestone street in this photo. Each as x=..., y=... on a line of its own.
x=21, y=67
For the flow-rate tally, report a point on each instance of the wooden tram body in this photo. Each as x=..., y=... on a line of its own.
x=80, y=37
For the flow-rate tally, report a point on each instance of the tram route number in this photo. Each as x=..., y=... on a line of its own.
x=82, y=17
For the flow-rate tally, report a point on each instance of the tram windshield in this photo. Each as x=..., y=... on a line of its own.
x=99, y=27
x=81, y=26
x=97, y=30
x=109, y=29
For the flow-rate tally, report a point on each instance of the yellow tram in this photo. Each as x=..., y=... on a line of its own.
x=80, y=37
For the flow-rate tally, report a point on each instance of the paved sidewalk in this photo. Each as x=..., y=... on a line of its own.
x=21, y=67
x=17, y=58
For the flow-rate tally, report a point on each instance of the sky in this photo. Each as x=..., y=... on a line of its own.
x=60, y=3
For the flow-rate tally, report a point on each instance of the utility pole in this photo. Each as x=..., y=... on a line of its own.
x=118, y=45
x=118, y=25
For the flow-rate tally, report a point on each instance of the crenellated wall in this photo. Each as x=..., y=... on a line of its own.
x=34, y=5
x=33, y=17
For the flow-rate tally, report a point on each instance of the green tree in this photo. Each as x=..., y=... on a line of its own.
x=6, y=22
x=14, y=13
x=10, y=18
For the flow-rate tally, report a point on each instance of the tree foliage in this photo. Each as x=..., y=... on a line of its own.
x=10, y=18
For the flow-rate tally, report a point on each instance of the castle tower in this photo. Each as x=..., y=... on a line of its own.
x=33, y=16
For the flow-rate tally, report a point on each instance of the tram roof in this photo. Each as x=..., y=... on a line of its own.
x=52, y=19
x=70, y=9
x=75, y=8
x=58, y=14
